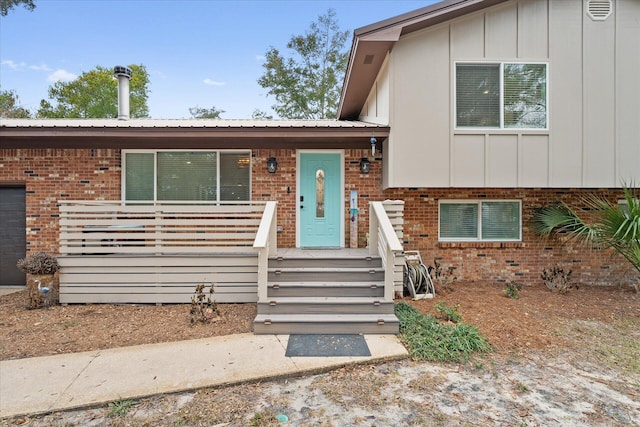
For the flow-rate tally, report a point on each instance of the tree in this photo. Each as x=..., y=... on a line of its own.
x=604, y=224
x=95, y=95
x=7, y=5
x=258, y=114
x=307, y=85
x=203, y=113
x=8, y=107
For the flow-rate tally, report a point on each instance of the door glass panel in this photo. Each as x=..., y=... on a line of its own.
x=319, y=193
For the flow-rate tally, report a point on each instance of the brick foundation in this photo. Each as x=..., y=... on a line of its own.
x=520, y=261
x=50, y=175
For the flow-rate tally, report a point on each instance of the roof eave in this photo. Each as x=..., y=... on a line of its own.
x=192, y=138
x=378, y=40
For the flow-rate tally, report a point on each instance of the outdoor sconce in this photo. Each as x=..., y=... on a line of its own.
x=272, y=165
x=365, y=165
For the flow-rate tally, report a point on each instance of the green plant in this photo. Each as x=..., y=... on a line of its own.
x=603, y=224
x=522, y=388
x=449, y=313
x=557, y=279
x=443, y=278
x=263, y=418
x=39, y=263
x=203, y=308
x=512, y=289
x=428, y=339
x=119, y=408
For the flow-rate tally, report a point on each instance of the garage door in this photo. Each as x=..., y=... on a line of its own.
x=13, y=236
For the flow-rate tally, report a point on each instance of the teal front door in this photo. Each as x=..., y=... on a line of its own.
x=320, y=200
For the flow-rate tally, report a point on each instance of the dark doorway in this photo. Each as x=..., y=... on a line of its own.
x=13, y=236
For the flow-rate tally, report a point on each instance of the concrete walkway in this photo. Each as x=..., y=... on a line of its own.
x=66, y=381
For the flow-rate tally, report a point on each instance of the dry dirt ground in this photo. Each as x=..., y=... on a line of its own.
x=558, y=360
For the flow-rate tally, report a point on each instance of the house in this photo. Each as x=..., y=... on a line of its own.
x=470, y=113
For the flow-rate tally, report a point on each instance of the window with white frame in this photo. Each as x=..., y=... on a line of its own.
x=480, y=220
x=501, y=95
x=187, y=175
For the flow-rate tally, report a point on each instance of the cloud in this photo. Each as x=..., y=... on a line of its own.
x=157, y=73
x=13, y=65
x=61, y=75
x=40, y=68
x=210, y=82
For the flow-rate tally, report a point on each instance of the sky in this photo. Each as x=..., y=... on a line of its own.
x=201, y=53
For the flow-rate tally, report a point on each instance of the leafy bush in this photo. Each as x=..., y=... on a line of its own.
x=39, y=263
x=449, y=313
x=428, y=339
x=512, y=289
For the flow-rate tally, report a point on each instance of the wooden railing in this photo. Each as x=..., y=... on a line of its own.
x=117, y=227
x=266, y=243
x=144, y=252
x=384, y=241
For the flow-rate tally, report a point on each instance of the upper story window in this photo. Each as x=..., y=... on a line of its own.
x=480, y=220
x=186, y=175
x=501, y=96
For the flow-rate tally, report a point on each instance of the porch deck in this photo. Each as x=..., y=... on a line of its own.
x=118, y=252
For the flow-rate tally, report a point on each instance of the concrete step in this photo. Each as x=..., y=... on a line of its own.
x=277, y=289
x=326, y=305
x=326, y=324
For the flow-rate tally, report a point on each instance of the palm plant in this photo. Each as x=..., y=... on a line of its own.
x=615, y=226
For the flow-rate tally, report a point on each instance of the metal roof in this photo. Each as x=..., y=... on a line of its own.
x=185, y=123
x=187, y=133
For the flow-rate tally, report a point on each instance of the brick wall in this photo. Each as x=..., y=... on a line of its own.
x=281, y=186
x=84, y=174
x=50, y=175
x=520, y=261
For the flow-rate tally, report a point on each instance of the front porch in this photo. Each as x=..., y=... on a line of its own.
x=152, y=252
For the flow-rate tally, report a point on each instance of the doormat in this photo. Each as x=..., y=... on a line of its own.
x=322, y=345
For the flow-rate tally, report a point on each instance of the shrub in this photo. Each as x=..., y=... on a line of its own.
x=39, y=263
x=512, y=289
x=442, y=278
x=449, y=313
x=428, y=339
x=203, y=308
x=557, y=279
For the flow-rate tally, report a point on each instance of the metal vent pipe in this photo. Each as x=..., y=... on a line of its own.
x=124, y=75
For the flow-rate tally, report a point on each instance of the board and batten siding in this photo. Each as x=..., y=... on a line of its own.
x=593, y=135
x=376, y=109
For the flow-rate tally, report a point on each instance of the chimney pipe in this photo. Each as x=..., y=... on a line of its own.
x=124, y=75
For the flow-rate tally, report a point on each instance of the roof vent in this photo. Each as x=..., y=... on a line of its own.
x=368, y=59
x=599, y=10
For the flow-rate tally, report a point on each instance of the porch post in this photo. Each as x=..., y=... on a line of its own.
x=373, y=230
